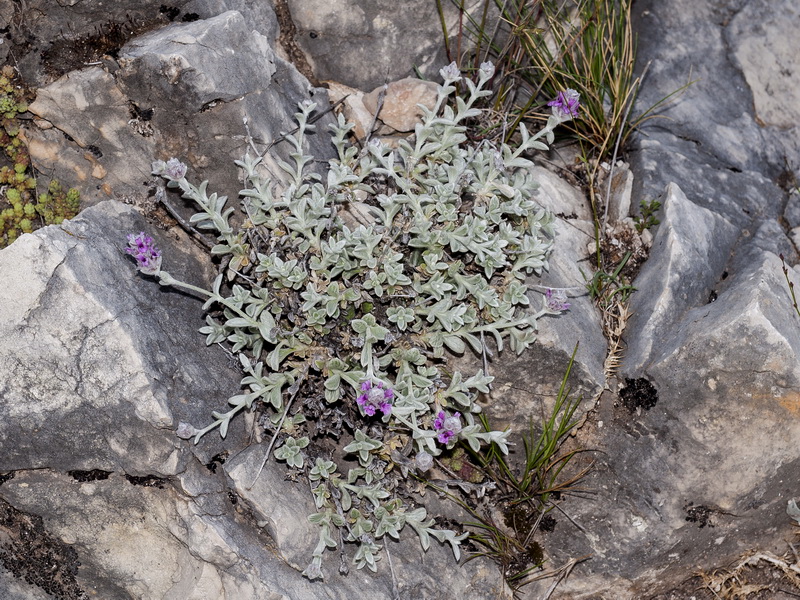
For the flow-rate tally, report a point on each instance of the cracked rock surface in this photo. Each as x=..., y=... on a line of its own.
x=100, y=367
x=699, y=454
x=184, y=89
x=98, y=496
x=358, y=43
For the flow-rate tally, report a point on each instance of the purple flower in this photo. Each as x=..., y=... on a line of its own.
x=486, y=70
x=556, y=300
x=444, y=437
x=148, y=257
x=566, y=105
x=375, y=397
x=175, y=169
x=453, y=424
x=438, y=422
x=448, y=427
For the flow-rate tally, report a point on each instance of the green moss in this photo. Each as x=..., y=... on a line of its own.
x=20, y=209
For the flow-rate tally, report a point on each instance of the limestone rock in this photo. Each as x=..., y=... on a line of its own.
x=704, y=472
x=561, y=198
x=795, y=234
x=353, y=108
x=688, y=259
x=400, y=99
x=768, y=61
x=104, y=149
x=365, y=44
x=49, y=39
x=526, y=386
x=201, y=90
x=18, y=589
x=62, y=323
x=711, y=143
x=190, y=60
x=283, y=507
x=100, y=365
x=6, y=14
x=573, y=232
x=183, y=91
x=697, y=457
x=259, y=15
x=619, y=201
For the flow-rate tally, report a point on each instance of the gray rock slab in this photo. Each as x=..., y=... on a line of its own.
x=706, y=472
x=260, y=16
x=184, y=90
x=202, y=80
x=48, y=39
x=708, y=139
x=14, y=588
x=191, y=60
x=687, y=261
x=526, y=386
x=75, y=351
x=100, y=364
x=702, y=476
x=139, y=541
x=283, y=507
x=398, y=102
x=366, y=44
x=567, y=266
x=736, y=391
x=90, y=142
x=6, y=15
x=761, y=36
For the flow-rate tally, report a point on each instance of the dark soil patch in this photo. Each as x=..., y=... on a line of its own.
x=288, y=40
x=146, y=481
x=29, y=552
x=624, y=241
x=67, y=54
x=699, y=514
x=85, y=476
x=216, y=461
x=638, y=393
x=548, y=523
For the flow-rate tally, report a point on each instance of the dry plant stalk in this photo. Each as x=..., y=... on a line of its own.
x=615, y=318
x=733, y=584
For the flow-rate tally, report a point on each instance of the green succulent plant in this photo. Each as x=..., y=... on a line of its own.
x=20, y=209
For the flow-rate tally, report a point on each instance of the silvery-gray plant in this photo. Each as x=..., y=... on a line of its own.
x=343, y=328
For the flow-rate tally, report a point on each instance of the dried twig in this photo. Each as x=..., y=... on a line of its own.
x=161, y=197
x=560, y=574
x=293, y=389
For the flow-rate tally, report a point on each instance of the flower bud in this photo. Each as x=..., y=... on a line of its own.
x=450, y=73
x=423, y=460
